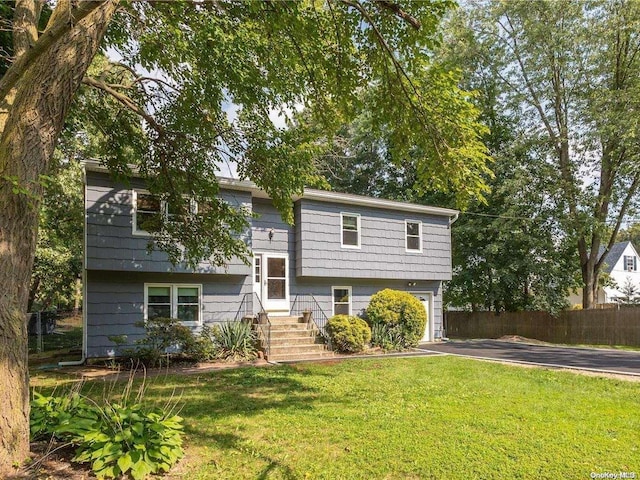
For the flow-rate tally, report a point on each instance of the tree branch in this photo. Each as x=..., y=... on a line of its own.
x=126, y=101
x=58, y=26
x=400, y=72
x=398, y=12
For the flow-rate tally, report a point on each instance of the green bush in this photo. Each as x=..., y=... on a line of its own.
x=63, y=417
x=347, y=333
x=131, y=440
x=399, y=311
x=116, y=439
x=235, y=340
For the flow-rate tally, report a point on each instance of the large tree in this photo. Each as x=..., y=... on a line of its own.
x=569, y=72
x=190, y=86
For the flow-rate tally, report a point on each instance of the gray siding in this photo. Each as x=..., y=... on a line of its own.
x=284, y=241
x=268, y=217
x=115, y=303
x=382, y=253
x=362, y=290
x=111, y=244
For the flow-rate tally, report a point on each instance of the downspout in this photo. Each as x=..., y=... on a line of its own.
x=453, y=219
x=83, y=359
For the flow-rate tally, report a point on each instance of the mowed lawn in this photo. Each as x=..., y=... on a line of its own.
x=428, y=417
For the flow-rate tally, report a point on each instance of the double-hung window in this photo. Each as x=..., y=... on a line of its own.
x=173, y=301
x=350, y=226
x=146, y=211
x=630, y=263
x=341, y=300
x=413, y=236
x=149, y=209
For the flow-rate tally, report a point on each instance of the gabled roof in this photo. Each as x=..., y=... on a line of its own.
x=614, y=254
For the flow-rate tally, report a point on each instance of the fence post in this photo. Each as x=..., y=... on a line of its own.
x=38, y=333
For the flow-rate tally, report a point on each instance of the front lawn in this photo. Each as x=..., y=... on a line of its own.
x=421, y=417
x=429, y=417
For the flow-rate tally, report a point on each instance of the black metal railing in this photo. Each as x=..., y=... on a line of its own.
x=306, y=302
x=251, y=307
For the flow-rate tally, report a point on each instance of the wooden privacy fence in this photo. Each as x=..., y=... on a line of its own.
x=594, y=327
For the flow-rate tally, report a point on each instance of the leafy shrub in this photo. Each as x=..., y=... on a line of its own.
x=116, y=439
x=399, y=311
x=64, y=417
x=386, y=337
x=161, y=336
x=131, y=440
x=347, y=333
x=167, y=339
x=203, y=347
x=235, y=340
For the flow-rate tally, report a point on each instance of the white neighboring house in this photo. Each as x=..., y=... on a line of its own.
x=622, y=265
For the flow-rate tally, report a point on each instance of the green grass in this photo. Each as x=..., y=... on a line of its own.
x=428, y=417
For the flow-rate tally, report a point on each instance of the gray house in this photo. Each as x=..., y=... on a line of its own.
x=342, y=249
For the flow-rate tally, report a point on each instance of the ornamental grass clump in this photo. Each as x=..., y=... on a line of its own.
x=348, y=334
x=403, y=316
x=235, y=341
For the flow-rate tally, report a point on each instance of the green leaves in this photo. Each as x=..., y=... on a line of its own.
x=230, y=92
x=115, y=439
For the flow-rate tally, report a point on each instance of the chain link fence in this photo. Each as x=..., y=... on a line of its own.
x=55, y=331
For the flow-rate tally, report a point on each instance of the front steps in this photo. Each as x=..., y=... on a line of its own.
x=293, y=339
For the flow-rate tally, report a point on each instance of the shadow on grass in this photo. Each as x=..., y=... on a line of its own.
x=227, y=441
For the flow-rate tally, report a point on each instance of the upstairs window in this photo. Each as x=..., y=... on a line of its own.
x=148, y=208
x=413, y=236
x=630, y=263
x=173, y=301
x=350, y=230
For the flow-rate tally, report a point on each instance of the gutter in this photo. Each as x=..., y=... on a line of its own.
x=453, y=219
x=83, y=359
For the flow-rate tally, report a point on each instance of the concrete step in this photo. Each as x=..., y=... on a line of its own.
x=292, y=357
x=285, y=320
x=295, y=340
x=288, y=326
x=298, y=349
x=282, y=334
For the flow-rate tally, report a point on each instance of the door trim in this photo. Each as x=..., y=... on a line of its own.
x=285, y=304
x=429, y=333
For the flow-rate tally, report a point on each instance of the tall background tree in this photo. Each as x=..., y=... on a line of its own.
x=569, y=74
x=162, y=107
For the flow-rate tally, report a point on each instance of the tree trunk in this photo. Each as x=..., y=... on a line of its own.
x=31, y=118
x=590, y=284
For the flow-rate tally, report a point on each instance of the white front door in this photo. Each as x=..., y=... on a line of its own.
x=425, y=299
x=271, y=281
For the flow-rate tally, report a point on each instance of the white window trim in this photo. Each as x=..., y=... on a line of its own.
x=633, y=261
x=174, y=300
x=164, y=211
x=359, y=226
x=333, y=303
x=406, y=236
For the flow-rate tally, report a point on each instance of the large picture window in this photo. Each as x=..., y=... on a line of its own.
x=341, y=300
x=173, y=301
x=350, y=224
x=413, y=235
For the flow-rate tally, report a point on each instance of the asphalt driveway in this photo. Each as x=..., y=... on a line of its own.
x=602, y=360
